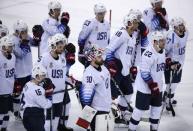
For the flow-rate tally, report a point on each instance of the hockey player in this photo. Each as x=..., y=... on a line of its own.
x=23, y=55
x=143, y=31
x=7, y=71
x=3, y=30
x=149, y=83
x=69, y=54
x=96, y=91
x=36, y=98
x=156, y=18
x=119, y=57
x=175, y=55
x=52, y=25
x=56, y=67
x=94, y=31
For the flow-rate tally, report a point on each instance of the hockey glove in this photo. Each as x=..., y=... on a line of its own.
x=70, y=58
x=112, y=67
x=161, y=13
x=17, y=88
x=78, y=85
x=65, y=18
x=81, y=58
x=133, y=73
x=70, y=48
x=70, y=53
x=168, y=63
x=49, y=87
x=153, y=86
x=37, y=31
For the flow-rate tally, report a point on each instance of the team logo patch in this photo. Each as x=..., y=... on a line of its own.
x=5, y=65
x=51, y=65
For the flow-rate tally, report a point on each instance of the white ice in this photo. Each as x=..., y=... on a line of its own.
x=35, y=11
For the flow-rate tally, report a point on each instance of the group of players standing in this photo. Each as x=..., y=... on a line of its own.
x=111, y=70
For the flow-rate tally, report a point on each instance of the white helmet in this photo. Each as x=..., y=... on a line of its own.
x=6, y=41
x=129, y=18
x=20, y=25
x=38, y=69
x=157, y=35
x=3, y=29
x=57, y=38
x=155, y=1
x=92, y=51
x=175, y=22
x=137, y=12
x=54, y=5
x=99, y=8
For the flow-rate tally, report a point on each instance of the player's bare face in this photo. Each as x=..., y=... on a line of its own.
x=99, y=60
x=8, y=49
x=162, y=43
x=23, y=34
x=56, y=12
x=180, y=29
x=135, y=25
x=60, y=47
x=100, y=16
x=40, y=78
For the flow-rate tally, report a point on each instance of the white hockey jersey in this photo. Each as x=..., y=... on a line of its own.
x=96, y=88
x=151, y=21
x=23, y=66
x=152, y=67
x=176, y=47
x=94, y=32
x=50, y=27
x=122, y=46
x=34, y=96
x=57, y=73
x=7, y=71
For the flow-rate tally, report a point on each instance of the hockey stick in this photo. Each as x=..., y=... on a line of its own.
x=170, y=103
x=110, y=16
x=51, y=117
x=128, y=105
x=165, y=98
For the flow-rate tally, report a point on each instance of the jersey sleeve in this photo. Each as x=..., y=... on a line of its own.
x=145, y=67
x=87, y=90
x=115, y=43
x=85, y=32
x=169, y=42
x=41, y=100
x=50, y=27
x=147, y=19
